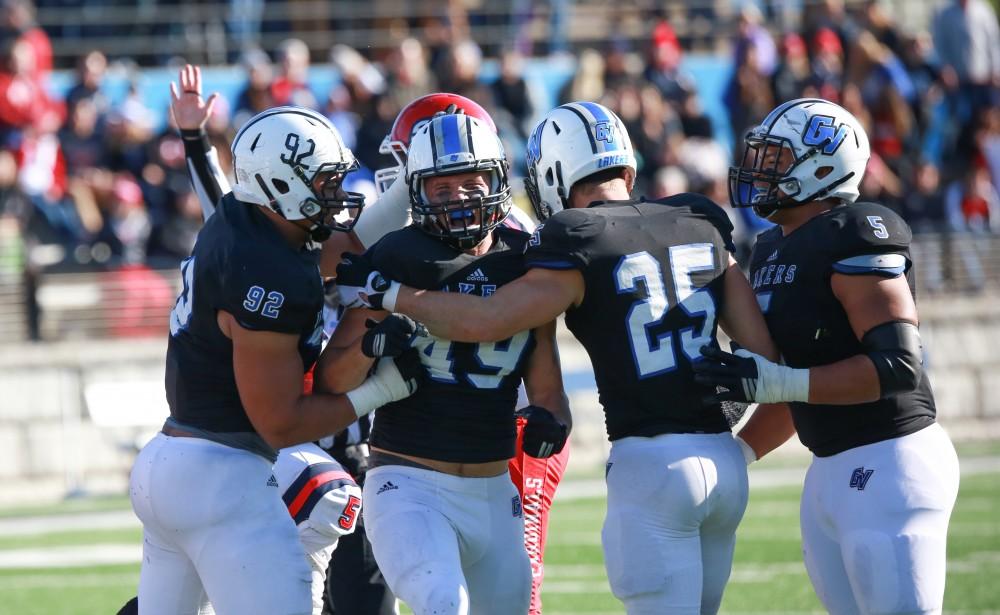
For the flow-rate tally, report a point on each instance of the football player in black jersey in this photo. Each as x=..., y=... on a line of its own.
x=644, y=285
x=834, y=279
x=242, y=333
x=444, y=519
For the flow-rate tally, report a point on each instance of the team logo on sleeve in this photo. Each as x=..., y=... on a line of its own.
x=536, y=237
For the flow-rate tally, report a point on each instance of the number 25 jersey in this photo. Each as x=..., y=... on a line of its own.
x=653, y=273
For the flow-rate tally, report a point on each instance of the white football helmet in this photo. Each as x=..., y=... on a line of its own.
x=805, y=150
x=279, y=156
x=450, y=144
x=571, y=142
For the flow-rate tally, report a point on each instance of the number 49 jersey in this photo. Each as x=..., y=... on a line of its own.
x=242, y=265
x=465, y=411
x=653, y=273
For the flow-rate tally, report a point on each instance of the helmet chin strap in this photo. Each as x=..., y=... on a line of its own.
x=319, y=233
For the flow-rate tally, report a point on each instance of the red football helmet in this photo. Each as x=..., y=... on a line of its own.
x=412, y=117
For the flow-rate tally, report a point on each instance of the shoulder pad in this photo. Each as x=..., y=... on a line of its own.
x=704, y=207
x=563, y=241
x=866, y=228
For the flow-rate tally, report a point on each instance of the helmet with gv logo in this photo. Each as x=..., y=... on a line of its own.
x=571, y=142
x=805, y=150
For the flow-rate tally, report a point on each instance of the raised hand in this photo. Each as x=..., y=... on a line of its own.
x=190, y=112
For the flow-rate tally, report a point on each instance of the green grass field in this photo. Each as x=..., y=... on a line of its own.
x=768, y=576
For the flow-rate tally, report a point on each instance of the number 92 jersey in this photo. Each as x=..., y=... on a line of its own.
x=791, y=278
x=465, y=411
x=242, y=265
x=653, y=273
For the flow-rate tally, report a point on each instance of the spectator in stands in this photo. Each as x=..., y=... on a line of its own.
x=407, y=75
x=512, y=94
x=972, y=207
x=291, y=86
x=827, y=65
x=694, y=121
x=664, y=65
x=972, y=203
x=792, y=74
x=90, y=69
x=17, y=18
x=589, y=80
x=256, y=96
x=752, y=33
x=748, y=96
x=967, y=40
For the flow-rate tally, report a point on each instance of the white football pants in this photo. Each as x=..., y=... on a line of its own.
x=674, y=502
x=448, y=545
x=214, y=523
x=875, y=523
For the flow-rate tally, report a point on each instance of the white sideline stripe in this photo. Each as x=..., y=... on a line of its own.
x=69, y=557
x=48, y=524
x=36, y=581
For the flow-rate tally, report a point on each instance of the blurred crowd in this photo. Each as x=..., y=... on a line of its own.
x=101, y=182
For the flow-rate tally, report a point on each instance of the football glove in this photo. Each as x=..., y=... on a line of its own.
x=544, y=434
x=749, y=377
x=361, y=285
x=390, y=337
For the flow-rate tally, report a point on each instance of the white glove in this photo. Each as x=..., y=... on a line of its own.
x=390, y=382
x=750, y=377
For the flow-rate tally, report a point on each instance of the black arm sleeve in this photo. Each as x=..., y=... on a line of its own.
x=895, y=349
x=207, y=178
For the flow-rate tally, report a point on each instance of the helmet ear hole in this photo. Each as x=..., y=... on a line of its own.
x=280, y=185
x=549, y=177
x=823, y=172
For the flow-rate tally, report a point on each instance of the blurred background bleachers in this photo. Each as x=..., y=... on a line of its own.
x=96, y=210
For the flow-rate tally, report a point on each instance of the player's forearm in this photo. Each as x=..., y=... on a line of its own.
x=851, y=381
x=310, y=418
x=741, y=317
x=457, y=317
x=768, y=427
x=341, y=369
x=337, y=244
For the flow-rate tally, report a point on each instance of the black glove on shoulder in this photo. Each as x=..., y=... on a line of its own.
x=390, y=337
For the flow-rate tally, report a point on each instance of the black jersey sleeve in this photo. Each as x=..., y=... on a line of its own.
x=564, y=241
x=869, y=239
x=263, y=296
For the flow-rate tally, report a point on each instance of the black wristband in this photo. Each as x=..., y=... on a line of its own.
x=196, y=135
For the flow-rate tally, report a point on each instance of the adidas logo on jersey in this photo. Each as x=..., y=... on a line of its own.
x=386, y=486
x=272, y=482
x=477, y=276
x=773, y=257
